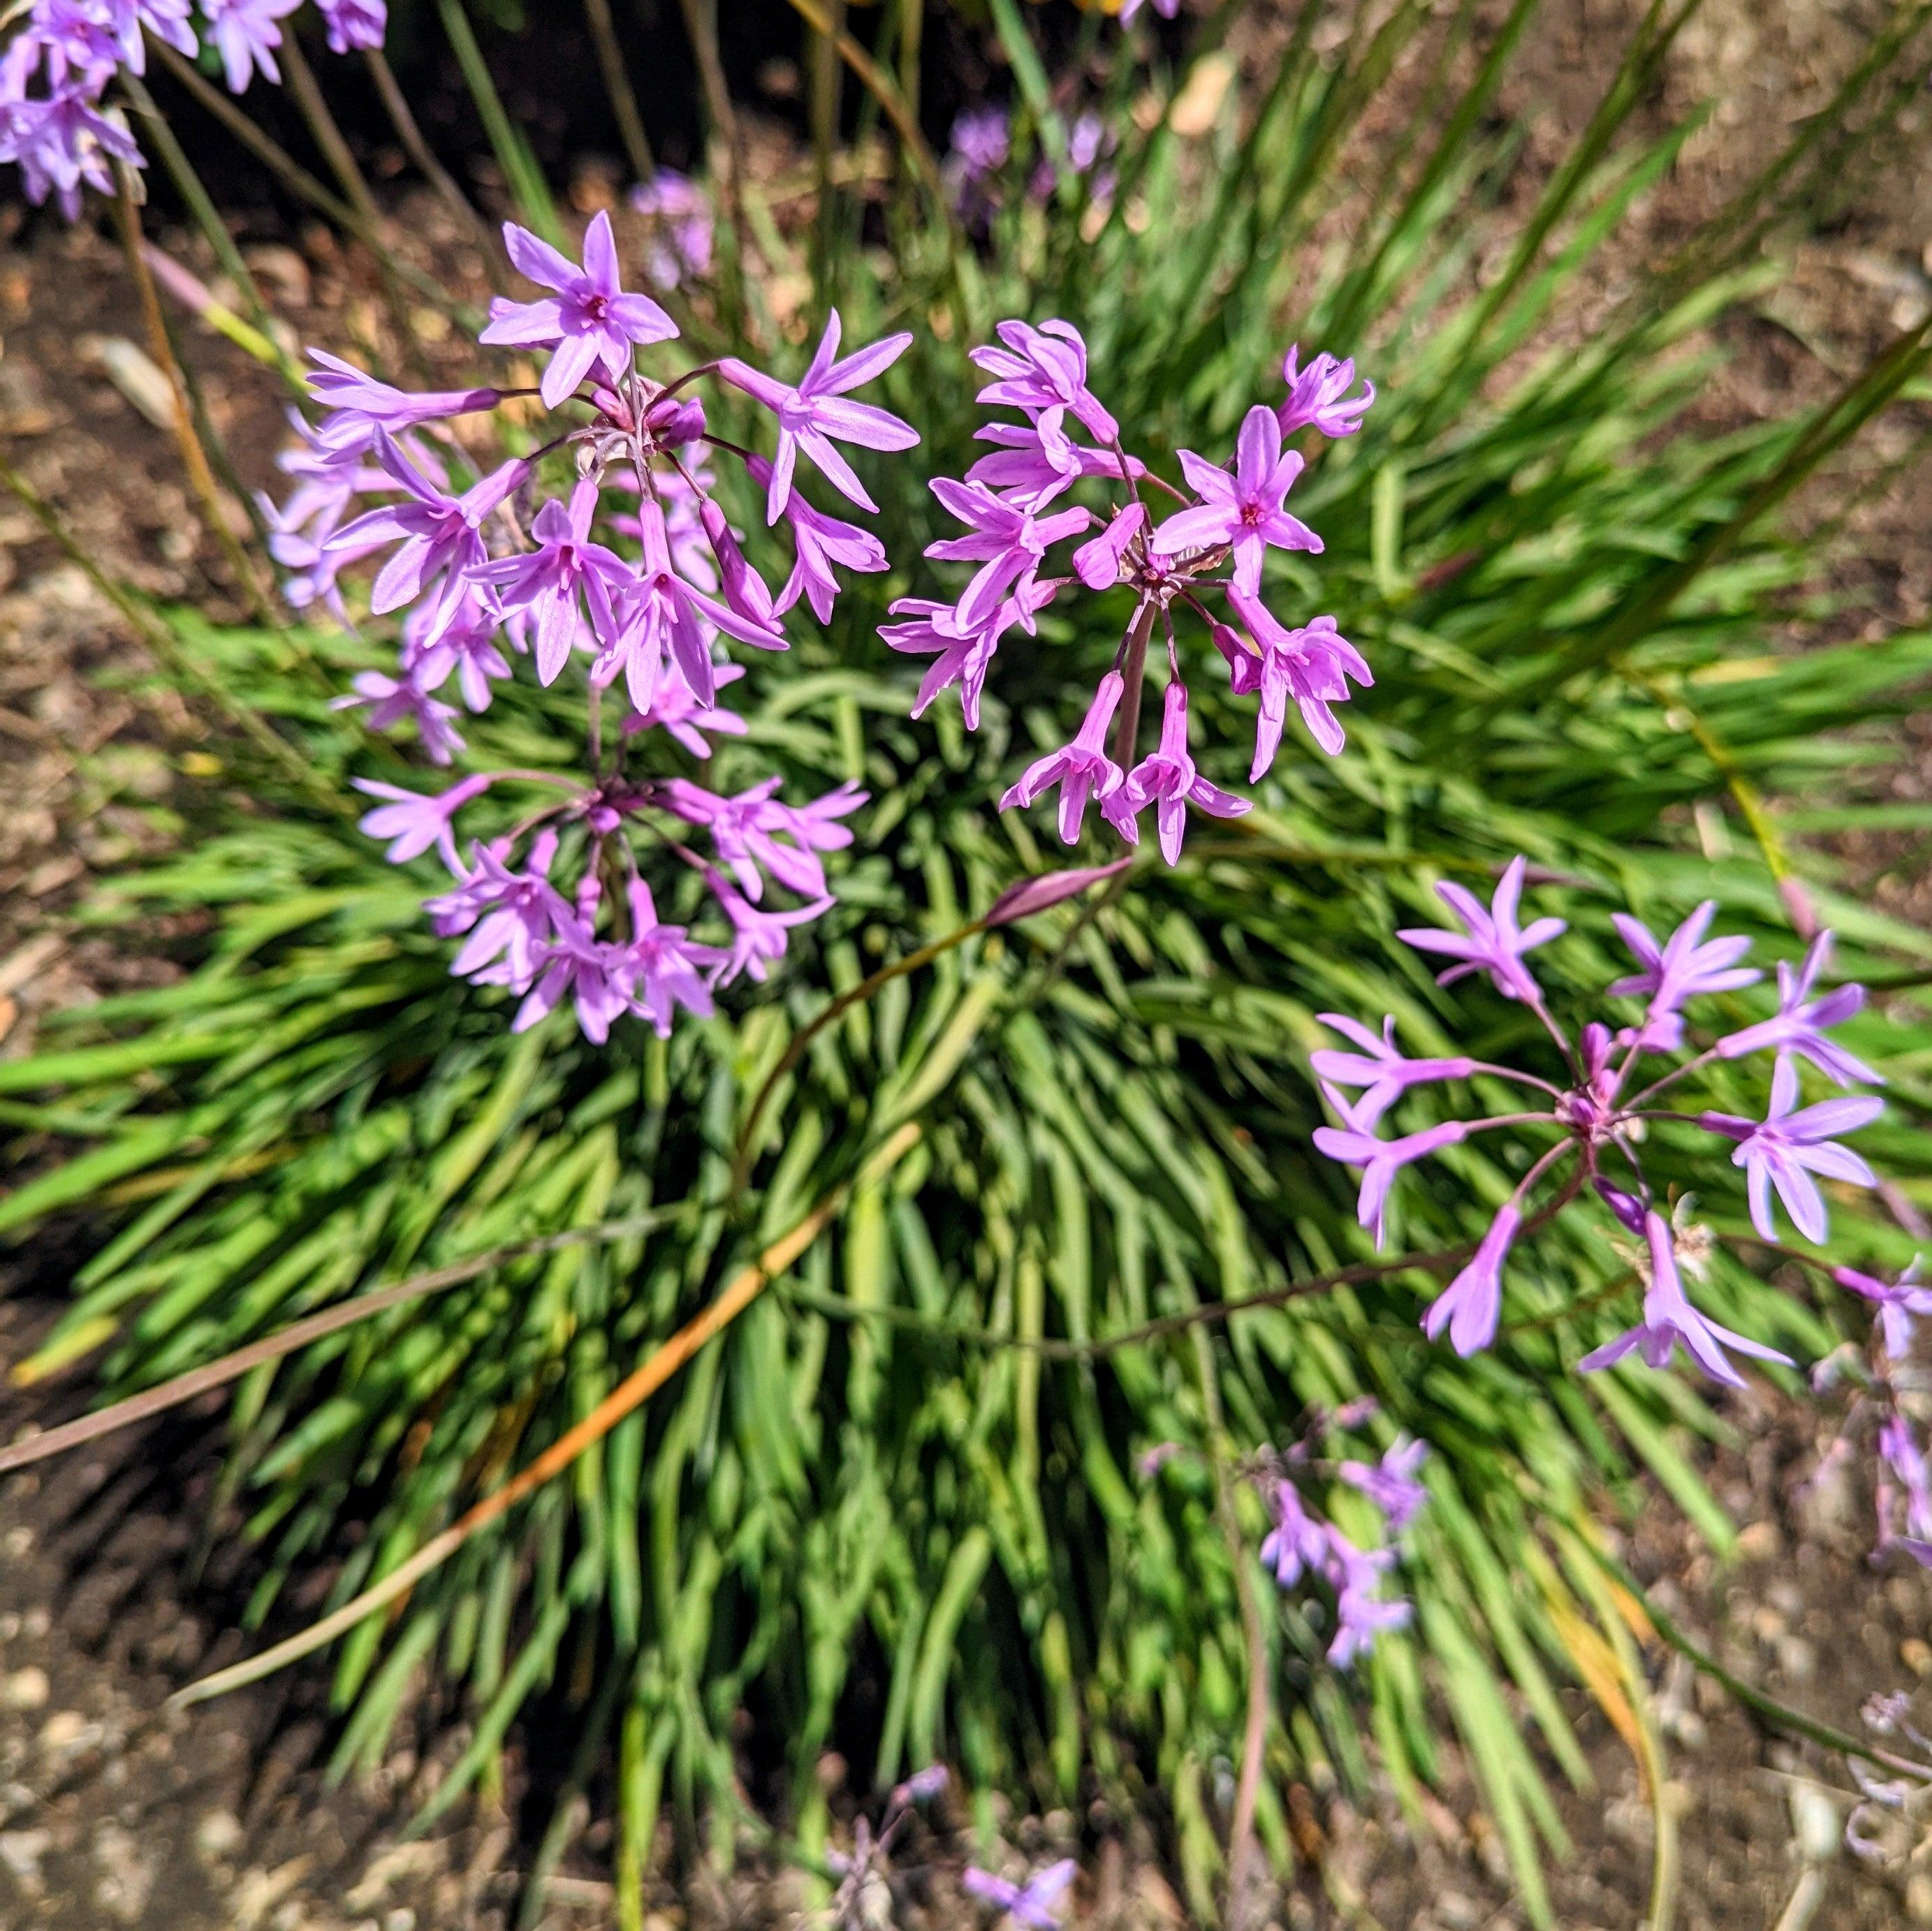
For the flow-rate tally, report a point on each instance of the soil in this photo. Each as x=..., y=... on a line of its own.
x=115, y=1810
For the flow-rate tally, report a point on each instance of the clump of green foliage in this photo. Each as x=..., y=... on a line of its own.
x=870, y=1516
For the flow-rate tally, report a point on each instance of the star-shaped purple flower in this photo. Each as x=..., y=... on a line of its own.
x=1491, y=940
x=1036, y=1904
x=1789, y=1147
x=1242, y=511
x=815, y=410
x=589, y=322
x=1800, y=1023
x=1082, y=769
x=1685, y=966
x=1166, y=779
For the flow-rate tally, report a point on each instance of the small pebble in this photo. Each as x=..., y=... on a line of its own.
x=1916, y=1655
x=1919, y=1897
x=62, y=1730
x=26, y=1689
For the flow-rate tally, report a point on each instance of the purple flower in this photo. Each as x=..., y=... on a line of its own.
x=674, y=708
x=577, y=966
x=1468, y=1307
x=981, y=141
x=1391, y=1483
x=463, y=641
x=1312, y=665
x=245, y=34
x=1361, y=1613
x=566, y=571
x=660, y=620
x=1036, y=1904
x=1035, y=461
x=1097, y=563
x=413, y=823
x=1082, y=769
x=1008, y=542
x=1685, y=966
x=1799, y=1026
x=1789, y=1147
x=816, y=410
x=1899, y=1302
x=64, y=142
x=1167, y=780
x=1315, y=397
x=1167, y=10
x=438, y=534
x=754, y=830
x=1380, y=1160
x=1669, y=1319
x=510, y=917
x=1296, y=1543
x=589, y=322
x=1042, y=368
x=391, y=700
x=354, y=23
x=1379, y=1067
x=660, y=967
x=1244, y=510
x=1491, y=940
x=962, y=654
x=682, y=211
x=819, y=541
x=1900, y=1455
x=360, y=398
x=758, y=938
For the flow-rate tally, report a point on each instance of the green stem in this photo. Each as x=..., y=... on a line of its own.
x=617, y=85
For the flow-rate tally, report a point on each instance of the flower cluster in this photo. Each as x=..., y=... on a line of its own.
x=1885, y=1391
x=634, y=574
x=1304, y=1544
x=1016, y=505
x=55, y=124
x=982, y=143
x=1601, y=1114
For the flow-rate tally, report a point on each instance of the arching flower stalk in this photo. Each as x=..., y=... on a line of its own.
x=623, y=570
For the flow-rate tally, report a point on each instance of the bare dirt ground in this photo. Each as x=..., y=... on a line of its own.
x=114, y=1811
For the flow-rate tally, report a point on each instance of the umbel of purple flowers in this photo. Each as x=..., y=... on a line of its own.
x=55, y=123
x=631, y=579
x=1201, y=560
x=1603, y=1110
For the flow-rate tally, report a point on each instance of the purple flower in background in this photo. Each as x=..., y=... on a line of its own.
x=1297, y=1543
x=1318, y=396
x=1669, y=1320
x=1167, y=779
x=354, y=23
x=1800, y=1023
x=815, y=412
x=1082, y=769
x=414, y=824
x=674, y=708
x=1471, y=1304
x=1899, y=1302
x=982, y=139
x=395, y=700
x=1242, y=511
x=1037, y=1904
x=589, y=322
x=1391, y=1483
x=1789, y=1147
x=1686, y=966
x=685, y=232
x=244, y=33
x=1361, y=1613
x=1491, y=940
x=1167, y=10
